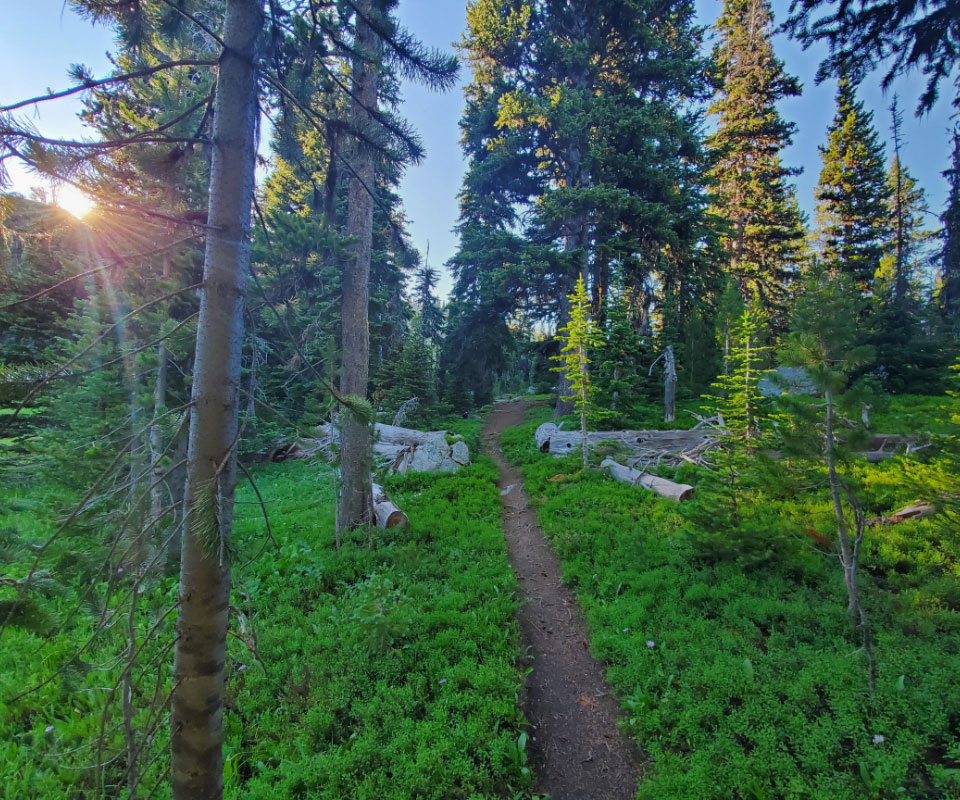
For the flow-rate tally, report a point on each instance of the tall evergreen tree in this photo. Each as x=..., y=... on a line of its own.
x=356, y=458
x=591, y=144
x=425, y=299
x=374, y=30
x=852, y=194
x=764, y=235
x=950, y=255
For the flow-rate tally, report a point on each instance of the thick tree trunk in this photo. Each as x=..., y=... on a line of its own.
x=198, y=671
x=355, y=451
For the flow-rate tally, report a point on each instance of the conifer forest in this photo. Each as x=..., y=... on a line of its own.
x=645, y=483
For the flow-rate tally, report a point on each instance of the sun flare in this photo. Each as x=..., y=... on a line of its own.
x=73, y=201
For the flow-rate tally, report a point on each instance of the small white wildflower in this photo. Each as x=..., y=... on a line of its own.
x=241, y=668
x=651, y=644
x=878, y=738
x=48, y=729
x=443, y=681
x=626, y=630
x=119, y=570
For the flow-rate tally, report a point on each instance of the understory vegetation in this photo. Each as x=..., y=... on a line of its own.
x=388, y=669
x=732, y=652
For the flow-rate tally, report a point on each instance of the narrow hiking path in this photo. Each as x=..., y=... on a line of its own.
x=575, y=746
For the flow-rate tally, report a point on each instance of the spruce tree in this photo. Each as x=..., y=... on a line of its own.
x=764, y=235
x=950, y=255
x=578, y=336
x=431, y=314
x=737, y=393
x=618, y=372
x=852, y=194
x=592, y=144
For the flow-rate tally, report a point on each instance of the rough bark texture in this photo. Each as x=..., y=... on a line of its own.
x=355, y=453
x=197, y=705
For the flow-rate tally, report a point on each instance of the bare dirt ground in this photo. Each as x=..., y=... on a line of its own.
x=575, y=746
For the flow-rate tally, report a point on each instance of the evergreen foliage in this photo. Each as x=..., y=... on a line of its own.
x=950, y=255
x=764, y=234
x=579, y=336
x=736, y=392
x=590, y=148
x=853, y=194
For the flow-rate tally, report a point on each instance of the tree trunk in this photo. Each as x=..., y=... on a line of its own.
x=601, y=287
x=198, y=672
x=849, y=548
x=355, y=452
x=669, y=386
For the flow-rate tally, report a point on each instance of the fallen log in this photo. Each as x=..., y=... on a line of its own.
x=401, y=449
x=563, y=443
x=919, y=510
x=690, y=445
x=385, y=511
x=661, y=486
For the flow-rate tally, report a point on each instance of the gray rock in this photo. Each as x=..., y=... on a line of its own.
x=786, y=380
x=460, y=453
x=429, y=456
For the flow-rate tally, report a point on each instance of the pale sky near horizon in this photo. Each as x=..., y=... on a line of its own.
x=41, y=39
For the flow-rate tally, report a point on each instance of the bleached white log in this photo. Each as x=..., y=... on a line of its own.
x=564, y=443
x=387, y=513
x=661, y=486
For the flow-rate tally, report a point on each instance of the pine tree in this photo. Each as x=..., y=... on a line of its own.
x=578, y=336
x=950, y=255
x=764, y=234
x=736, y=392
x=852, y=194
x=592, y=144
x=431, y=314
x=373, y=25
x=618, y=372
x=908, y=355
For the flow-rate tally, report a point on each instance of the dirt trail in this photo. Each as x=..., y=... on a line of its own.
x=577, y=751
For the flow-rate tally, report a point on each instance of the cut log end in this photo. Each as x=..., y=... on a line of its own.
x=387, y=513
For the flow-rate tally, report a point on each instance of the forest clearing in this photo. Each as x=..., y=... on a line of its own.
x=651, y=489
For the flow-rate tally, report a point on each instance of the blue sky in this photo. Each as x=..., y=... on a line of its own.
x=41, y=39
